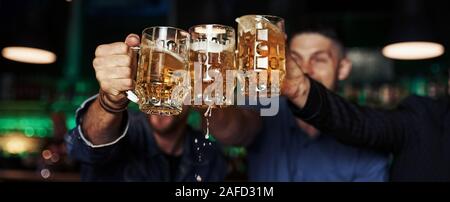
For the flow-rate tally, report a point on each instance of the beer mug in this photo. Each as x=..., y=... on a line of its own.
x=261, y=53
x=162, y=53
x=211, y=54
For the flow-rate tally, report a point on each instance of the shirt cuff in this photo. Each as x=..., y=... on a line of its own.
x=313, y=104
x=79, y=120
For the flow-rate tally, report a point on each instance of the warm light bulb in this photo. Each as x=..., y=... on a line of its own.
x=413, y=50
x=28, y=55
x=16, y=146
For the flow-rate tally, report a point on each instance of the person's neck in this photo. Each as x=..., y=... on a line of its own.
x=171, y=143
x=309, y=129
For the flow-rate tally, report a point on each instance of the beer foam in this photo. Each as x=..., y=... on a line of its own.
x=249, y=23
x=271, y=25
x=207, y=46
x=210, y=30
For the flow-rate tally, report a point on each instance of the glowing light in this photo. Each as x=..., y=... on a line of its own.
x=28, y=55
x=45, y=173
x=15, y=146
x=413, y=50
x=55, y=158
x=18, y=143
x=46, y=154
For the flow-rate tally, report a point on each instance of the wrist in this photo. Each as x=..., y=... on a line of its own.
x=300, y=97
x=114, y=105
x=312, y=104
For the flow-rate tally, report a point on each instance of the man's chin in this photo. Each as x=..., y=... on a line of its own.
x=161, y=131
x=165, y=125
x=165, y=128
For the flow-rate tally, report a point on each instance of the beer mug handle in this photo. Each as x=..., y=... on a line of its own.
x=134, y=65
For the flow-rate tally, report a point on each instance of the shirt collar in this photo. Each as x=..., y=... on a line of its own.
x=297, y=131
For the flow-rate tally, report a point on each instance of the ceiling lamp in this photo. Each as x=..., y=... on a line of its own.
x=29, y=41
x=412, y=36
x=28, y=55
x=413, y=50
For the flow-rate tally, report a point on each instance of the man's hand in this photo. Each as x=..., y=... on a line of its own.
x=112, y=65
x=295, y=85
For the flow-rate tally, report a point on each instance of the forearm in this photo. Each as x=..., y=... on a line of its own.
x=351, y=123
x=104, y=118
x=100, y=126
x=235, y=126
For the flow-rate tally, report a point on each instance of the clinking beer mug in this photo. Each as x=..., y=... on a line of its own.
x=160, y=71
x=212, y=53
x=261, y=54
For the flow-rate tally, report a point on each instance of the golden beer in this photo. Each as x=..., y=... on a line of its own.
x=157, y=75
x=155, y=83
x=212, y=53
x=261, y=48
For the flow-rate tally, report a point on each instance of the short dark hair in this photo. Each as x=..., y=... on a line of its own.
x=325, y=31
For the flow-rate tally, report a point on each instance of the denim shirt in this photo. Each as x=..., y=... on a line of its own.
x=135, y=156
x=282, y=151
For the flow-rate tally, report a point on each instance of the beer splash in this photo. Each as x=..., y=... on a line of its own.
x=212, y=52
x=198, y=178
x=207, y=114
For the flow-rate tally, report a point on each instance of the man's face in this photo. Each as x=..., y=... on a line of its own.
x=166, y=124
x=318, y=57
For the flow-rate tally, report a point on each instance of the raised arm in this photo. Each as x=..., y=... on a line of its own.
x=103, y=121
x=348, y=122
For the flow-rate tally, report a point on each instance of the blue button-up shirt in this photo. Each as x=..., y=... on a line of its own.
x=283, y=152
x=135, y=156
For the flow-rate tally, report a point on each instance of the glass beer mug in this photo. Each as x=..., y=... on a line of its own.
x=261, y=53
x=162, y=53
x=212, y=53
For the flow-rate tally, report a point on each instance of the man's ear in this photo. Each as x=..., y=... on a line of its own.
x=345, y=66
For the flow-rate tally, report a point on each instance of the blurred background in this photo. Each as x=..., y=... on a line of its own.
x=40, y=91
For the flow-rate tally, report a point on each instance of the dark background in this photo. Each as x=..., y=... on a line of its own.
x=359, y=23
x=72, y=29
